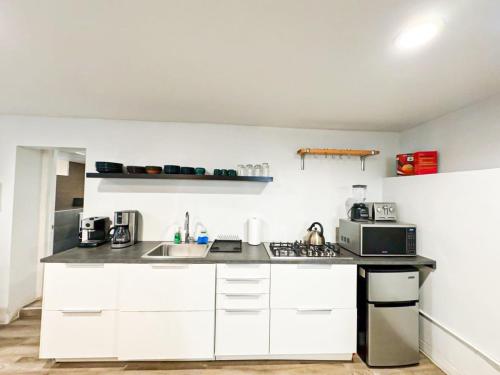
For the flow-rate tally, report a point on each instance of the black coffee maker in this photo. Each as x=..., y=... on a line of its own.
x=359, y=212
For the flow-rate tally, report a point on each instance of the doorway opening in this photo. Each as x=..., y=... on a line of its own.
x=48, y=201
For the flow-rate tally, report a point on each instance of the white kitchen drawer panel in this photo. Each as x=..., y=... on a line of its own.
x=80, y=286
x=242, y=332
x=167, y=287
x=313, y=285
x=313, y=331
x=231, y=270
x=166, y=335
x=242, y=301
x=243, y=285
x=78, y=334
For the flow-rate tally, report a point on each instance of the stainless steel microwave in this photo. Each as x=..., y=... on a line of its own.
x=378, y=238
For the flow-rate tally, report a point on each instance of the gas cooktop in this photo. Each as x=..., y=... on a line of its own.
x=299, y=249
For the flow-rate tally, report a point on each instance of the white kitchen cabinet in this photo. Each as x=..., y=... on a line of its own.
x=313, y=331
x=166, y=335
x=242, y=332
x=83, y=333
x=243, y=270
x=242, y=301
x=313, y=286
x=167, y=287
x=80, y=286
x=243, y=285
x=242, y=325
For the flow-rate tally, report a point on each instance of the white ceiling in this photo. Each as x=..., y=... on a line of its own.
x=291, y=63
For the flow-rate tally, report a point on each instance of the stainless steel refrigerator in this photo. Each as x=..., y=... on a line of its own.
x=388, y=332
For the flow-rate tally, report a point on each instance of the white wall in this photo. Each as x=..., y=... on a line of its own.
x=25, y=228
x=287, y=206
x=457, y=219
x=466, y=139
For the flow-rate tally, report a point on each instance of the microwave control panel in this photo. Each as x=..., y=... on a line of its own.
x=411, y=240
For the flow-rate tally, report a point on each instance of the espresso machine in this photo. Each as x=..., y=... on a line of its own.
x=125, y=229
x=93, y=231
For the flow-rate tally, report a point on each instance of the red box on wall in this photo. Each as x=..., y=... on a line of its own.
x=426, y=162
x=420, y=162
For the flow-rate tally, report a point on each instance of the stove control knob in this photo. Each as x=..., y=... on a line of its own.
x=379, y=209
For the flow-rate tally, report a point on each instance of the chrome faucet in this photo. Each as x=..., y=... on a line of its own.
x=186, y=228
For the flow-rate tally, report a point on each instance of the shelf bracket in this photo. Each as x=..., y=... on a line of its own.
x=363, y=160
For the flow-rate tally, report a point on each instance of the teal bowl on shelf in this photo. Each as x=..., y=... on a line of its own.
x=200, y=171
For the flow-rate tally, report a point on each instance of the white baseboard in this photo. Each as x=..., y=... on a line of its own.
x=452, y=355
x=7, y=318
x=288, y=357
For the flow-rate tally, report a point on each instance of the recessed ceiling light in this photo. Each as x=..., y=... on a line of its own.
x=418, y=34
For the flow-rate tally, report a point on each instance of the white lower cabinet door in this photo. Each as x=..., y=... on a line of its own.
x=166, y=335
x=167, y=287
x=307, y=331
x=242, y=332
x=78, y=334
x=313, y=285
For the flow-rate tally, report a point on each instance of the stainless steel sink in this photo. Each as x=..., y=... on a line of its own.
x=170, y=250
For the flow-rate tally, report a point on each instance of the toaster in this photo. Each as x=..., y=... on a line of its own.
x=382, y=211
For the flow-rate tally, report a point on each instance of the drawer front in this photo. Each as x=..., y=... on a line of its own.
x=313, y=286
x=166, y=335
x=243, y=285
x=167, y=287
x=80, y=286
x=313, y=331
x=78, y=334
x=230, y=270
x=242, y=301
x=242, y=332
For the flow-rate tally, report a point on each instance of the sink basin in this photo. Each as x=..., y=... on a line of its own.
x=170, y=250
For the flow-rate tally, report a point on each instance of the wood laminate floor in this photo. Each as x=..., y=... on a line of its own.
x=19, y=355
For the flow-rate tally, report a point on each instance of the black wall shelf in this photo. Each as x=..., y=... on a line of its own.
x=163, y=176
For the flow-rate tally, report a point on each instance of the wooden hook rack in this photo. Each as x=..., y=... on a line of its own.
x=362, y=154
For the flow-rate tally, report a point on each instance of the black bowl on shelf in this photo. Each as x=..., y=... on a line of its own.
x=187, y=170
x=232, y=172
x=108, y=167
x=200, y=171
x=171, y=169
x=133, y=169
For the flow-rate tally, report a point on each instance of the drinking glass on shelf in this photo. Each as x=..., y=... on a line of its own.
x=250, y=170
x=257, y=170
x=265, y=169
x=241, y=170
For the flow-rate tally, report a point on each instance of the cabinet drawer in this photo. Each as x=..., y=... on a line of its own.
x=78, y=334
x=242, y=332
x=167, y=287
x=243, y=285
x=80, y=286
x=313, y=331
x=231, y=270
x=313, y=285
x=242, y=301
x=166, y=335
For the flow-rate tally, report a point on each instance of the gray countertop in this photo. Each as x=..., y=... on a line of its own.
x=249, y=254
